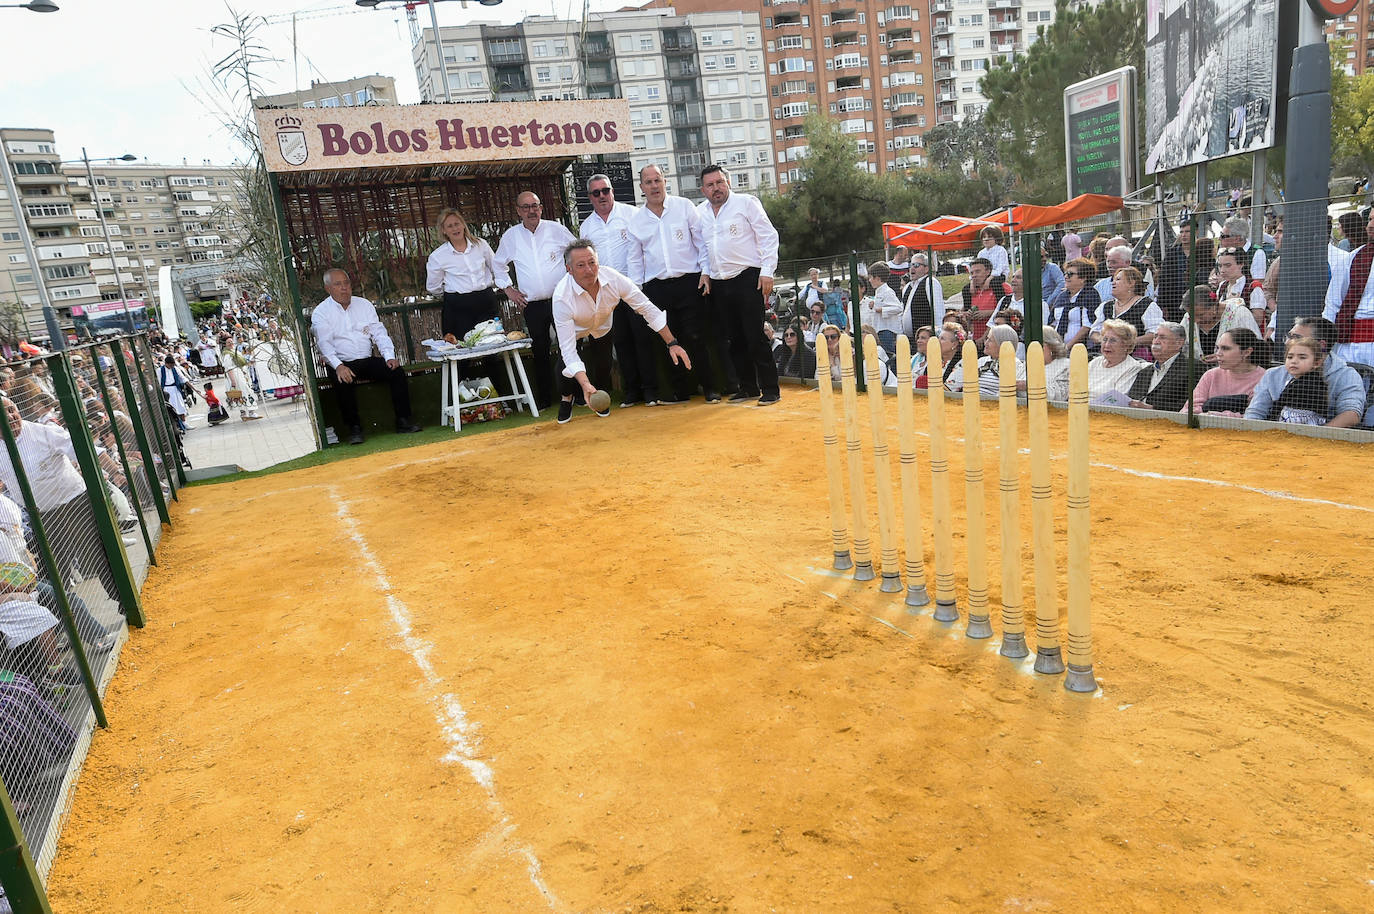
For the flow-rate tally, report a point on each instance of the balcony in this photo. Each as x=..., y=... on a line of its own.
x=678, y=69
x=596, y=49
x=944, y=72
x=903, y=121
x=845, y=40
x=947, y=95
x=783, y=20
x=941, y=28
x=899, y=102
x=1004, y=4
x=689, y=115
x=943, y=51
x=1009, y=24
x=511, y=82
x=942, y=6
x=600, y=76
x=692, y=161
x=944, y=118
x=681, y=94
x=1006, y=47
x=506, y=56
x=679, y=44
x=844, y=83
x=794, y=133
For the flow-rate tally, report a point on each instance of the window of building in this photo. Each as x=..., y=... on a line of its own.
x=565, y=73
x=626, y=43
x=331, y=102
x=474, y=79
x=646, y=42
x=540, y=48
x=629, y=68
x=348, y=99
x=728, y=61
x=708, y=39
x=470, y=53
x=49, y=209
x=543, y=74
x=652, y=92
x=656, y=116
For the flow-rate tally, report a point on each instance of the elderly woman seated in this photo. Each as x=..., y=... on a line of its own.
x=1115, y=369
x=989, y=365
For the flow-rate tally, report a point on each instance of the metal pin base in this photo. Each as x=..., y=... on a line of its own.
x=1048, y=660
x=978, y=627
x=916, y=596
x=843, y=561
x=892, y=583
x=1080, y=679
x=864, y=571
x=1014, y=646
x=946, y=611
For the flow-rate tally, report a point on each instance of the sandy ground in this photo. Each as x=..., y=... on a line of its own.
x=596, y=668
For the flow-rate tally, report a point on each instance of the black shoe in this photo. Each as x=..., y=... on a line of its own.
x=407, y=427
x=564, y=411
x=712, y=396
x=603, y=413
x=651, y=403
x=627, y=403
x=355, y=435
x=674, y=400
x=740, y=396
x=769, y=399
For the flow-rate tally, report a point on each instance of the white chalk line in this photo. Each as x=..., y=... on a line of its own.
x=458, y=731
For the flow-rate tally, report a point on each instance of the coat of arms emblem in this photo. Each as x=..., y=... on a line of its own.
x=291, y=140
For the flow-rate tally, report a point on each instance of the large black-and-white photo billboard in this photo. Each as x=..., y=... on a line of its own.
x=1211, y=80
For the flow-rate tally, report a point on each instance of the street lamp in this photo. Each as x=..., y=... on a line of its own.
x=438, y=42
x=37, y=6
x=105, y=228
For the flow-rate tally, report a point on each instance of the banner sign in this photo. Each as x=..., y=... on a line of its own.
x=1099, y=134
x=105, y=307
x=1212, y=67
x=313, y=139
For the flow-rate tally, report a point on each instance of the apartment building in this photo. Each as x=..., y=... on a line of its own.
x=158, y=216
x=49, y=213
x=360, y=90
x=697, y=85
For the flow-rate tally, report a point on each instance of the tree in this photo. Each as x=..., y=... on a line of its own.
x=1026, y=96
x=1352, y=116
x=968, y=144
x=837, y=205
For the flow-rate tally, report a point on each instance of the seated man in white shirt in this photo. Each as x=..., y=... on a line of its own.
x=345, y=327
x=583, y=307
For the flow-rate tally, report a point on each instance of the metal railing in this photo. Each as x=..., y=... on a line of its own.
x=89, y=460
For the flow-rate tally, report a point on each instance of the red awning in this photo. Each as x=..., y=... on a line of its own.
x=952, y=233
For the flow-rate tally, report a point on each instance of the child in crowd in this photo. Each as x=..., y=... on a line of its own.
x=217, y=413
x=1303, y=401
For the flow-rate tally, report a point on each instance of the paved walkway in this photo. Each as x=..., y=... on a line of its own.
x=283, y=433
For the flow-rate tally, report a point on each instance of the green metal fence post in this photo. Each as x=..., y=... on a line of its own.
x=855, y=325
x=55, y=572
x=172, y=442
x=18, y=873
x=140, y=433
x=1190, y=274
x=171, y=456
x=105, y=524
x=1030, y=289
x=123, y=455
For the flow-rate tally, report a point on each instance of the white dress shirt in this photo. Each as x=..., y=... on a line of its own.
x=577, y=314
x=1103, y=378
x=611, y=236
x=1336, y=289
x=1151, y=317
x=997, y=256
x=344, y=334
x=450, y=270
x=537, y=255
x=50, y=463
x=667, y=246
x=738, y=237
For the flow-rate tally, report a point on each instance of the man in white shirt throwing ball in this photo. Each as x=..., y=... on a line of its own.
x=583, y=307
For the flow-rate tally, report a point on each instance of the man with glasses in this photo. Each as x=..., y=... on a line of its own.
x=921, y=297
x=608, y=227
x=1069, y=313
x=535, y=246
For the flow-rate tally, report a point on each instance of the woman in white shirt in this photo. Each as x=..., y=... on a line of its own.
x=1056, y=365
x=883, y=312
x=1115, y=369
x=463, y=269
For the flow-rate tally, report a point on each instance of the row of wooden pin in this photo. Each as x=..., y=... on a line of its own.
x=1048, y=658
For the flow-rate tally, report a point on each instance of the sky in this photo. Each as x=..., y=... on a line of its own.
x=133, y=76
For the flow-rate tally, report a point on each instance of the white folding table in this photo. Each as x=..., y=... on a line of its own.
x=509, y=351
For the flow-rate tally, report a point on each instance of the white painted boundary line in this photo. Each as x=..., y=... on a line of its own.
x=453, y=721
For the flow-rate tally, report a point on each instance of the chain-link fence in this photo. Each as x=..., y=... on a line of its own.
x=88, y=464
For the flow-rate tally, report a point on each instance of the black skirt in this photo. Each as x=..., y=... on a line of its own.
x=465, y=310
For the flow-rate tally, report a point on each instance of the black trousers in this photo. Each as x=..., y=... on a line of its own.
x=539, y=323
x=686, y=309
x=465, y=310
x=372, y=368
x=634, y=349
x=596, y=355
x=740, y=305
